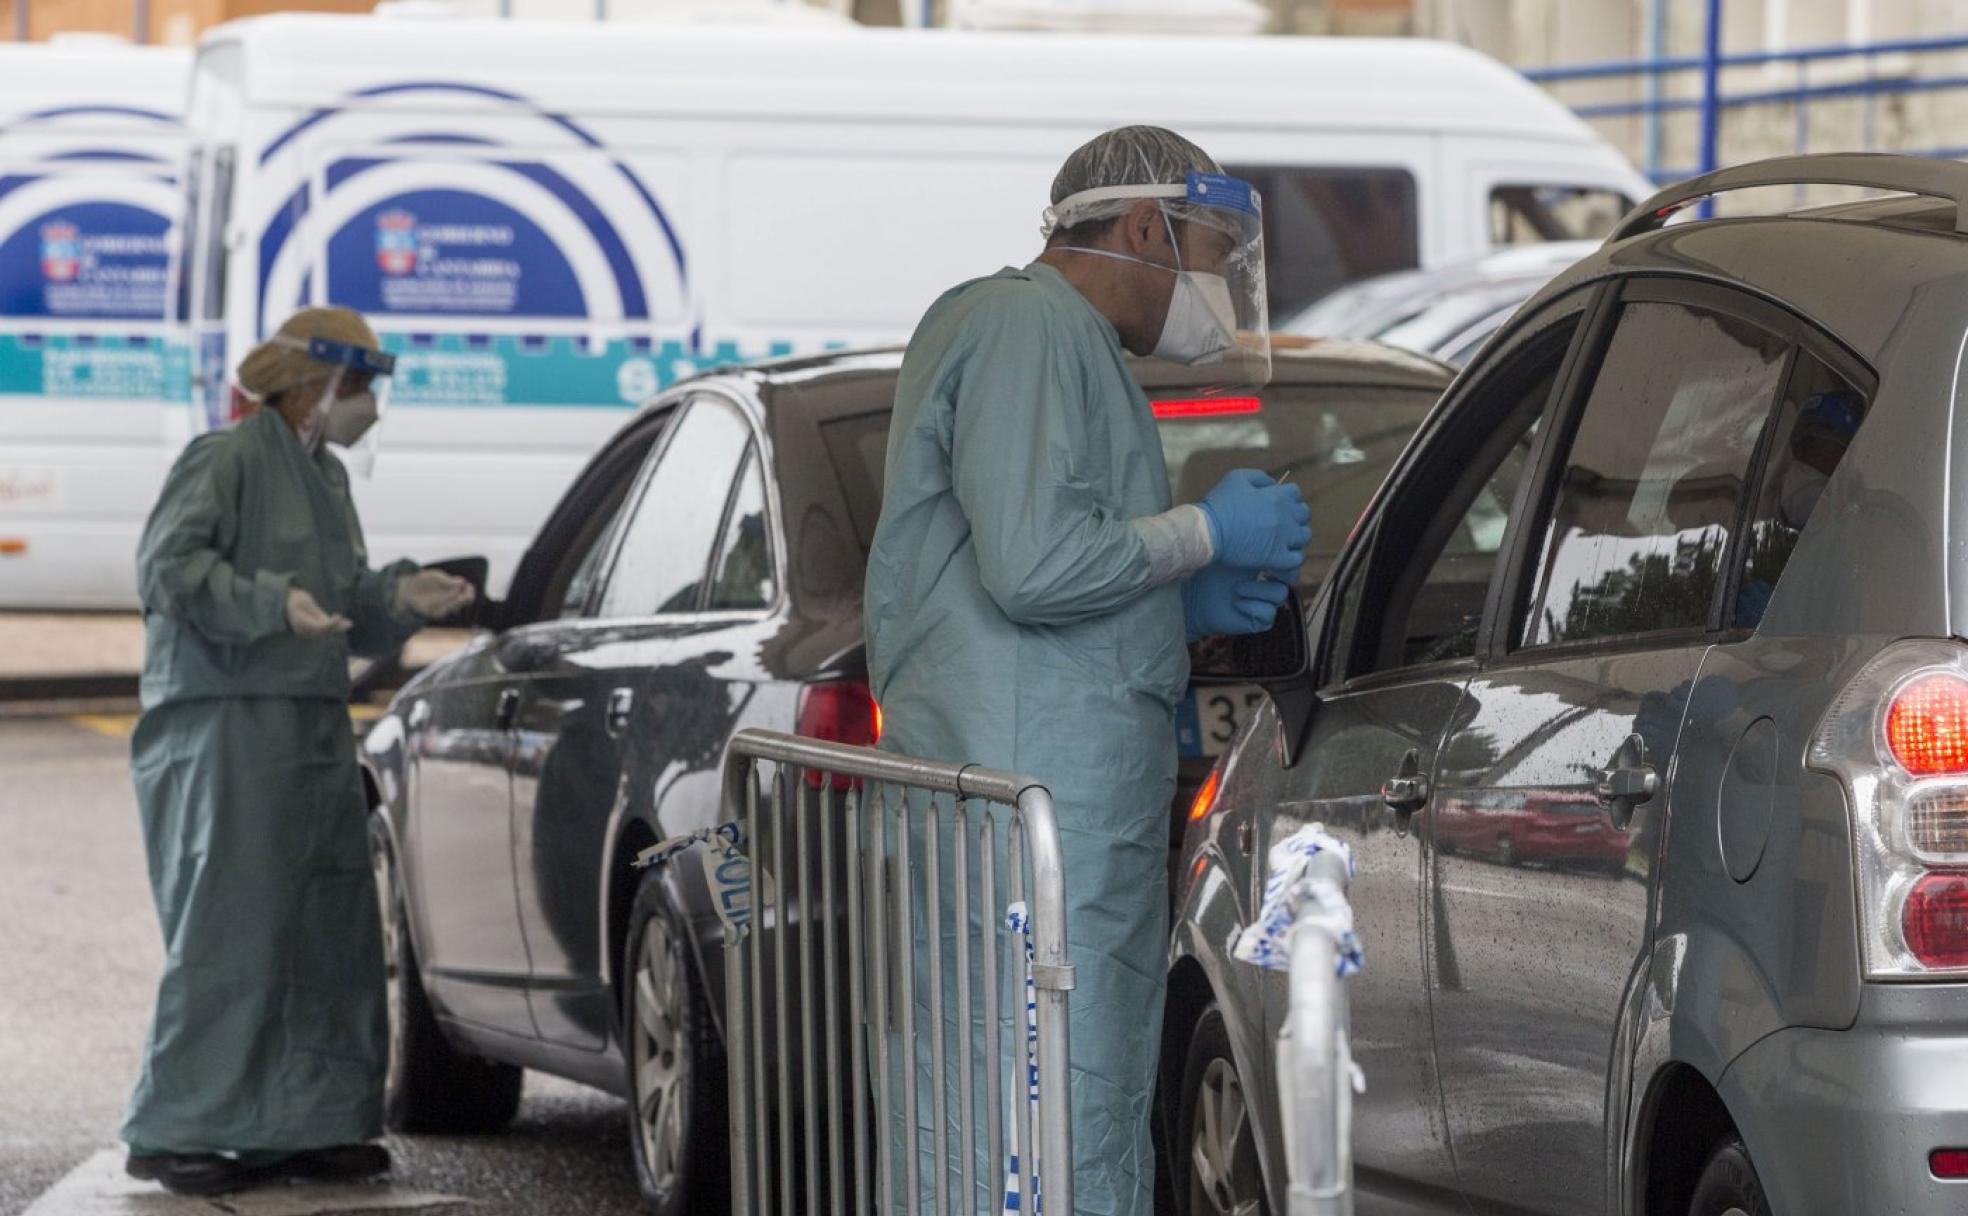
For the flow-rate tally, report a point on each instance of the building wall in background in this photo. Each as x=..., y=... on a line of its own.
x=169, y=22
x=1533, y=33
x=1524, y=33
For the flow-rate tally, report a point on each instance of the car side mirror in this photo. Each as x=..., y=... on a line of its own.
x=481, y=612
x=1279, y=661
x=1276, y=656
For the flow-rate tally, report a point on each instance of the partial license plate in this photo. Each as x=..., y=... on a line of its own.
x=1210, y=717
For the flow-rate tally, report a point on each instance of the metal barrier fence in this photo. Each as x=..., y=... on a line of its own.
x=1708, y=102
x=804, y=1068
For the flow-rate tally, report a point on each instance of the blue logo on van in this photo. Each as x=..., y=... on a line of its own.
x=396, y=243
x=61, y=252
x=451, y=253
x=92, y=260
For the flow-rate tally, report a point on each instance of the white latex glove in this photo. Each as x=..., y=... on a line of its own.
x=307, y=619
x=432, y=594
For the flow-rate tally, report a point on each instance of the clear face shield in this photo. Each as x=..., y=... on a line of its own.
x=350, y=402
x=1217, y=335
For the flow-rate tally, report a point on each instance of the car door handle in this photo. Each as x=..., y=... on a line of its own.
x=1627, y=782
x=508, y=709
x=1406, y=791
x=620, y=702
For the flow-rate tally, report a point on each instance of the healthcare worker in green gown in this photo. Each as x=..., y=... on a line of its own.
x=1031, y=588
x=267, y=1049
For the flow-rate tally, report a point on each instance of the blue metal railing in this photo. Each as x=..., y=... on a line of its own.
x=1709, y=103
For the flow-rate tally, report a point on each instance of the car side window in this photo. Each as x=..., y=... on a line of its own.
x=665, y=551
x=745, y=579
x=574, y=583
x=1649, y=490
x=1419, y=597
x=1815, y=425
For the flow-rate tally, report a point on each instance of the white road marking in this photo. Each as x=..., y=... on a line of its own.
x=99, y=1187
x=1486, y=893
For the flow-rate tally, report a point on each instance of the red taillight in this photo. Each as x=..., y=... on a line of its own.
x=1949, y=1163
x=1208, y=407
x=1206, y=796
x=839, y=711
x=1927, y=726
x=1935, y=920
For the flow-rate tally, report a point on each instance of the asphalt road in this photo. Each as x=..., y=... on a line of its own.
x=79, y=958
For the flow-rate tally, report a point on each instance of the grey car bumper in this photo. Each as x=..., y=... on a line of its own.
x=1842, y=1122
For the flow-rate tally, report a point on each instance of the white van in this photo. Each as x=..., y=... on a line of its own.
x=90, y=150
x=550, y=222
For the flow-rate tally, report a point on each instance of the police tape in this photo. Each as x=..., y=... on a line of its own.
x=1287, y=888
x=727, y=871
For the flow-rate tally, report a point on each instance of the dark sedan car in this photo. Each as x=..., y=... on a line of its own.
x=703, y=575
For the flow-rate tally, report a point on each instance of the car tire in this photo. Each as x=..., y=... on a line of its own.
x=1214, y=1159
x=431, y=1086
x=1506, y=851
x=677, y=1115
x=1729, y=1185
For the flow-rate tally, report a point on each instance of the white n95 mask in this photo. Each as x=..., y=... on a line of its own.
x=349, y=419
x=1202, y=319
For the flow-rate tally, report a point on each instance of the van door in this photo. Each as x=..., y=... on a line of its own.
x=1551, y=796
x=86, y=367
x=531, y=292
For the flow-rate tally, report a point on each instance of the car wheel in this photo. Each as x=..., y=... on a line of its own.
x=431, y=1085
x=1729, y=1186
x=677, y=1121
x=1215, y=1150
x=1506, y=852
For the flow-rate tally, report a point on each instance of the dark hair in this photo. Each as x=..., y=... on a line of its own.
x=1087, y=232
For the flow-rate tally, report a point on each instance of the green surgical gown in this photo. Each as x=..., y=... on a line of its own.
x=1014, y=622
x=269, y=1033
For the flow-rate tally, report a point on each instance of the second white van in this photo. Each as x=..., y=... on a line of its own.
x=550, y=222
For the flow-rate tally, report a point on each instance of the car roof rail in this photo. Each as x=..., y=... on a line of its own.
x=1931, y=178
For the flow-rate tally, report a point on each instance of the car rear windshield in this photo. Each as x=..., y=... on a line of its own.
x=1336, y=443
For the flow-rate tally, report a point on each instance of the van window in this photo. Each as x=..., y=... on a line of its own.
x=1528, y=214
x=1648, y=495
x=217, y=255
x=1326, y=227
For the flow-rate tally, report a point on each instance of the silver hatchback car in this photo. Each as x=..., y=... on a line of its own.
x=1641, y=694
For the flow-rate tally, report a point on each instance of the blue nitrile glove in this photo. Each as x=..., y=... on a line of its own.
x=1223, y=599
x=1257, y=523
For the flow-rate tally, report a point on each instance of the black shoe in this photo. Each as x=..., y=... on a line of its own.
x=189, y=1173
x=343, y=1163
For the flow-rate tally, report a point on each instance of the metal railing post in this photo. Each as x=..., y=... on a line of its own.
x=1052, y=975
x=1315, y=1071
x=737, y=1015
x=1711, y=109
